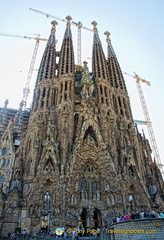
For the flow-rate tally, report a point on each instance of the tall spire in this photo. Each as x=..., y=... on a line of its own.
x=68, y=32
x=98, y=56
x=96, y=38
x=46, y=72
x=110, y=51
x=66, y=61
x=51, y=40
x=115, y=73
x=48, y=63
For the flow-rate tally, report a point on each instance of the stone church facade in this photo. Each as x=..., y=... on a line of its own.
x=82, y=160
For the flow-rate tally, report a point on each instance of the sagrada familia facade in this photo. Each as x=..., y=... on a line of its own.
x=82, y=160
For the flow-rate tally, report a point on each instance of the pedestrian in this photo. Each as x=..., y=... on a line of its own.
x=127, y=215
x=153, y=214
x=12, y=235
x=161, y=214
x=137, y=215
x=65, y=234
x=133, y=216
x=24, y=233
x=83, y=231
x=149, y=214
x=73, y=234
x=145, y=214
x=118, y=219
x=142, y=214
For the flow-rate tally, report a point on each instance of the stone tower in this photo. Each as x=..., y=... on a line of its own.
x=82, y=161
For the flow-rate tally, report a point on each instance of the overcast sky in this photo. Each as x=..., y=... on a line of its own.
x=137, y=35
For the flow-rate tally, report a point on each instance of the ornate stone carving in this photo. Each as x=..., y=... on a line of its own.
x=82, y=155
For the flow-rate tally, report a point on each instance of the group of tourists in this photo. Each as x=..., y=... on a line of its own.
x=126, y=217
x=12, y=235
x=137, y=215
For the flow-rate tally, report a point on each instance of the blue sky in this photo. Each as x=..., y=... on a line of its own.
x=137, y=35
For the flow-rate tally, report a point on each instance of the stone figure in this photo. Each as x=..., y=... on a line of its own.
x=87, y=83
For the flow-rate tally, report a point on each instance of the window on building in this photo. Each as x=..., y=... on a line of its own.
x=115, y=104
x=44, y=92
x=84, y=184
x=1, y=180
x=8, y=162
x=4, y=151
x=89, y=188
x=94, y=185
x=88, y=169
x=91, y=133
x=4, y=162
x=31, y=166
x=46, y=201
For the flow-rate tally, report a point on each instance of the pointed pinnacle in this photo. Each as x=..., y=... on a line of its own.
x=107, y=36
x=54, y=23
x=69, y=18
x=94, y=23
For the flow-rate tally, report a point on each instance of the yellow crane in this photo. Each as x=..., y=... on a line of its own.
x=26, y=90
x=79, y=25
x=147, y=119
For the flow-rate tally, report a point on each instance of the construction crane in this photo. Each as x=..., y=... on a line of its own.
x=147, y=119
x=77, y=24
x=140, y=122
x=26, y=90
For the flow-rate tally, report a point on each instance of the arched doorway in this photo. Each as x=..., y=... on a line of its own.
x=87, y=221
x=83, y=217
x=96, y=219
x=44, y=224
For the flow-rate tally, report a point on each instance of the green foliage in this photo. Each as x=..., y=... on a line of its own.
x=17, y=230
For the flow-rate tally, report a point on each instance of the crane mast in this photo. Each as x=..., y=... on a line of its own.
x=78, y=25
x=147, y=119
x=79, y=44
x=149, y=126
x=26, y=90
